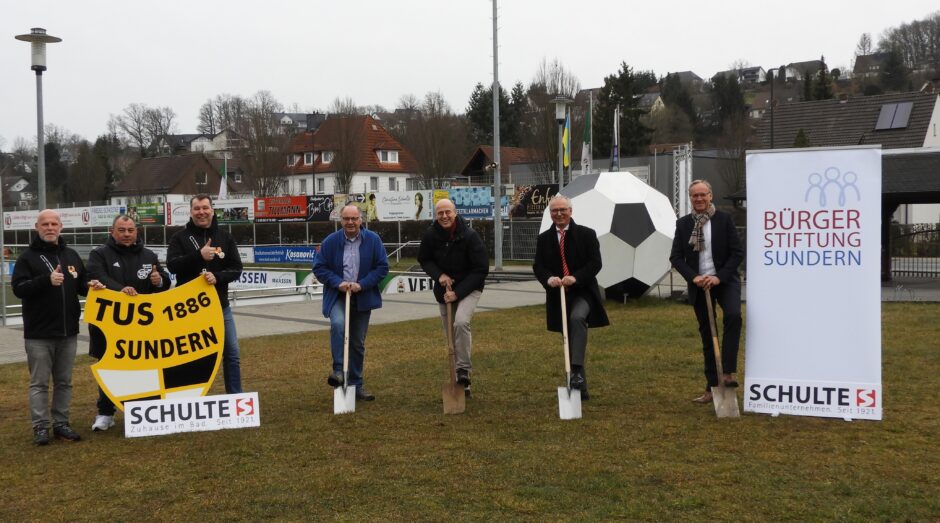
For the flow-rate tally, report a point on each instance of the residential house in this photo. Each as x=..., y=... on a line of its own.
x=18, y=193
x=759, y=101
x=381, y=162
x=513, y=160
x=173, y=178
x=650, y=102
x=797, y=71
x=869, y=65
x=293, y=123
x=895, y=121
x=691, y=81
x=747, y=76
x=168, y=144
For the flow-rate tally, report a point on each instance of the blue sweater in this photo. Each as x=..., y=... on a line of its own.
x=373, y=266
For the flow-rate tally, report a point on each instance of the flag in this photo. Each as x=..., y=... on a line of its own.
x=566, y=141
x=615, y=147
x=586, y=161
x=223, y=184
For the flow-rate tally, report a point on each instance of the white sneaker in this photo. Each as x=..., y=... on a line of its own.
x=102, y=423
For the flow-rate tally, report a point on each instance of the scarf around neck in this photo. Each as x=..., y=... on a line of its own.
x=697, y=240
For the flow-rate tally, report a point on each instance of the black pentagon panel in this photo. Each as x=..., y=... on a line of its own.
x=580, y=185
x=631, y=223
x=631, y=288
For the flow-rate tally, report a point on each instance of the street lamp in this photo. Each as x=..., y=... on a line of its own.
x=772, y=103
x=561, y=105
x=38, y=39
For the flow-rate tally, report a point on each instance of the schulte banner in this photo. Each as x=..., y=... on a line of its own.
x=159, y=346
x=813, y=282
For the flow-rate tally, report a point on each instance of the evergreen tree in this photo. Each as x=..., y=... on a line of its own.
x=822, y=87
x=807, y=86
x=56, y=173
x=621, y=89
x=895, y=75
x=676, y=95
x=480, y=117
x=801, y=140
x=727, y=99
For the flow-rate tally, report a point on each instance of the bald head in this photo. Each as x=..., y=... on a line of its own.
x=49, y=226
x=446, y=213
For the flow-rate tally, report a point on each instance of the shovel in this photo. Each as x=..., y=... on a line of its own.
x=344, y=397
x=569, y=400
x=455, y=401
x=724, y=398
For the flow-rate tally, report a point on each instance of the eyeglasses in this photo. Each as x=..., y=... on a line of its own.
x=560, y=210
x=351, y=219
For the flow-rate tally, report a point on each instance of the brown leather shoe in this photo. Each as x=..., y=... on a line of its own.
x=704, y=398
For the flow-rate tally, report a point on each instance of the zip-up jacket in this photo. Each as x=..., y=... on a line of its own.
x=118, y=266
x=462, y=256
x=183, y=258
x=49, y=311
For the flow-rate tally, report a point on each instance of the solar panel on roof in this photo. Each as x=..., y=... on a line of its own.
x=902, y=115
x=886, y=116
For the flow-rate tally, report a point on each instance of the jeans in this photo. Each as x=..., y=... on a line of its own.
x=358, y=325
x=463, y=339
x=50, y=357
x=231, y=363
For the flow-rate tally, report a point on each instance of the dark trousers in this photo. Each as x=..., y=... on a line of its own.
x=578, y=330
x=728, y=296
x=105, y=405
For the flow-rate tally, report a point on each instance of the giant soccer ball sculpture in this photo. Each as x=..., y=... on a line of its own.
x=635, y=225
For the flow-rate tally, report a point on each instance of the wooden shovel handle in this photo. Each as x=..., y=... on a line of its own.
x=714, y=329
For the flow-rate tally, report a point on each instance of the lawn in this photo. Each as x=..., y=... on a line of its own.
x=642, y=451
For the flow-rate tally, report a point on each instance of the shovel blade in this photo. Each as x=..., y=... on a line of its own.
x=344, y=400
x=726, y=402
x=569, y=403
x=455, y=399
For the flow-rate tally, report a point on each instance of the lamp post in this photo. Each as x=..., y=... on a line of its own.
x=561, y=105
x=772, y=103
x=38, y=39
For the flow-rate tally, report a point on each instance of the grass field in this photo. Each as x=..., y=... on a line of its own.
x=641, y=452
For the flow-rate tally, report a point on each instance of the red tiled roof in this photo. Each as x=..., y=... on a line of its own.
x=508, y=156
x=374, y=138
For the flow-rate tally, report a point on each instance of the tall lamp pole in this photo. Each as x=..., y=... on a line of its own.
x=497, y=171
x=771, y=109
x=38, y=39
x=561, y=104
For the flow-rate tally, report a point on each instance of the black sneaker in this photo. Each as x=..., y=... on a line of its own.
x=363, y=395
x=463, y=377
x=65, y=432
x=41, y=436
x=466, y=392
x=577, y=380
x=335, y=379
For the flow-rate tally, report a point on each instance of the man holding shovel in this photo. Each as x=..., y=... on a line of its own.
x=707, y=251
x=567, y=259
x=352, y=259
x=454, y=256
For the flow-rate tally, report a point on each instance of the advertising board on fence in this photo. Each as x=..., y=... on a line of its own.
x=319, y=207
x=530, y=201
x=403, y=206
x=284, y=254
x=280, y=209
x=238, y=210
x=254, y=279
x=408, y=283
x=72, y=217
x=813, y=282
x=147, y=213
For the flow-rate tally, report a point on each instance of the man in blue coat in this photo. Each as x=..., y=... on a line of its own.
x=352, y=259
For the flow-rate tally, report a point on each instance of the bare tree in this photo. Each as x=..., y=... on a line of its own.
x=262, y=158
x=133, y=124
x=670, y=125
x=539, y=129
x=864, y=45
x=347, y=141
x=159, y=122
x=208, y=119
x=732, y=144
x=437, y=138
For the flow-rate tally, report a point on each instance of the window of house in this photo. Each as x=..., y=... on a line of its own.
x=327, y=157
x=392, y=184
x=388, y=156
x=308, y=158
x=201, y=178
x=290, y=159
x=303, y=186
x=321, y=185
x=237, y=177
x=374, y=183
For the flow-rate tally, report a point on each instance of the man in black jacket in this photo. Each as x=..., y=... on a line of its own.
x=707, y=251
x=454, y=256
x=568, y=256
x=204, y=249
x=48, y=277
x=122, y=264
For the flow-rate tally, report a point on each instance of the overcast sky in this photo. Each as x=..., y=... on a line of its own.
x=179, y=54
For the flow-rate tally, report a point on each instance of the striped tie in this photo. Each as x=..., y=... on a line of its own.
x=564, y=262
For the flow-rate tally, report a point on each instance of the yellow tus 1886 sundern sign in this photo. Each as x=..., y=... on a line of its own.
x=158, y=346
